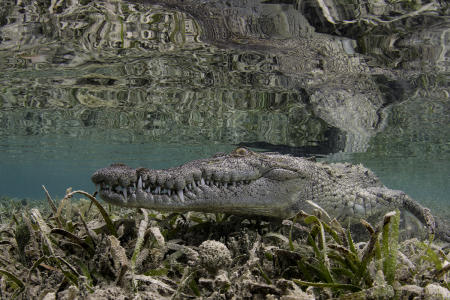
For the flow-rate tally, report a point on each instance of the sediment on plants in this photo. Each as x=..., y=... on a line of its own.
x=80, y=248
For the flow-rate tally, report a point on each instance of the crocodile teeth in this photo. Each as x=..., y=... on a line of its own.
x=181, y=195
x=128, y=193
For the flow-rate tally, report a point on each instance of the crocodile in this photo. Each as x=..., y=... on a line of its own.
x=250, y=183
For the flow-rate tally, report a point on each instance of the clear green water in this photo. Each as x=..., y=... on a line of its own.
x=59, y=163
x=85, y=84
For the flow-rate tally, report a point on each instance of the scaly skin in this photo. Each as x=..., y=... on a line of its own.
x=249, y=183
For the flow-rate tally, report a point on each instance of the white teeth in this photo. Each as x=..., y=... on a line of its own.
x=147, y=190
x=181, y=195
x=202, y=181
x=140, y=183
x=125, y=194
x=157, y=190
x=169, y=192
x=225, y=184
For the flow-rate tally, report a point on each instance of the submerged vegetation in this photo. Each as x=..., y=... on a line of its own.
x=78, y=249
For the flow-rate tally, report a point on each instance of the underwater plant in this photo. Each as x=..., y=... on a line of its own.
x=80, y=249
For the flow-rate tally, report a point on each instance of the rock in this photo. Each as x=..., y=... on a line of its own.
x=437, y=292
x=214, y=255
x=50, y=296
x=222, y=280
x=410, y=291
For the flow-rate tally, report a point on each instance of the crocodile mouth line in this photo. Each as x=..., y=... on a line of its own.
x=154, y=190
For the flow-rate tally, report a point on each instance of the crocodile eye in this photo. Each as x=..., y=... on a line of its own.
x=241, y=151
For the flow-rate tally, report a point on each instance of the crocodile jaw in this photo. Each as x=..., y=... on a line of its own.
x=242, y=182
x=261, y=196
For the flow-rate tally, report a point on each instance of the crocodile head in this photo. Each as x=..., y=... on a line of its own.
x=242, y=182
